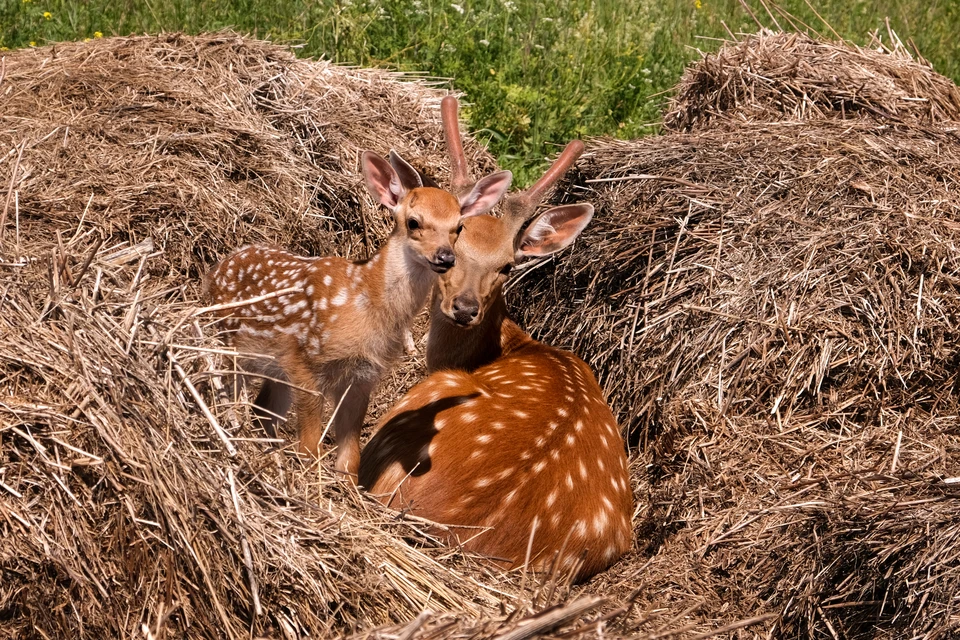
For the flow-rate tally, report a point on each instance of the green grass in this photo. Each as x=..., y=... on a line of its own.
x=537, y=73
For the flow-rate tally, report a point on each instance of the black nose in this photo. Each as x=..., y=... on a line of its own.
x=465, y=309
x=444, y=258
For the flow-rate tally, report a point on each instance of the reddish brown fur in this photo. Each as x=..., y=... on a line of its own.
x=528, y=438
x=510, y=438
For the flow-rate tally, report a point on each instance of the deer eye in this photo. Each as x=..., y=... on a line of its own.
x=459, y=228
x=506, y=269
x=413, y=224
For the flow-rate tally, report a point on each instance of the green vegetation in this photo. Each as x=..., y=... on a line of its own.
x=537, y=72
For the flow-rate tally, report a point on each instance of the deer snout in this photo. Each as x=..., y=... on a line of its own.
x=465, y=310
x=443, y=259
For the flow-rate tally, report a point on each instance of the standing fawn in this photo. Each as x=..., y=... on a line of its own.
x=342, y=323
x=510, y=442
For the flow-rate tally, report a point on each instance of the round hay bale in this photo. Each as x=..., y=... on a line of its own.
x=128, y=166
x=772, y=306
x=789, y=76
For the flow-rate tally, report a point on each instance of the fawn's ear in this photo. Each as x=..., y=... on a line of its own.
x=409, y=177
x=382, y=181
x=553, y=230
x=485, y=194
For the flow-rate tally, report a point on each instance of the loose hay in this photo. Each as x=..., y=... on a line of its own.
x=749, y=293
x=789, y=76
x=772, y=304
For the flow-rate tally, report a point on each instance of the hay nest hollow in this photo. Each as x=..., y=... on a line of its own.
x=771, y=298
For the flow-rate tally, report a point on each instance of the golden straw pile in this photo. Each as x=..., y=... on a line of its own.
x=770, y=293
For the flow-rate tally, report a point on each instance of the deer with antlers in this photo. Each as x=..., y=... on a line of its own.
x=510, y=442
x=335, y=326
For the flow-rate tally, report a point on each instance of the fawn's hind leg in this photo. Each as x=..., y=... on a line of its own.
x=271, y=405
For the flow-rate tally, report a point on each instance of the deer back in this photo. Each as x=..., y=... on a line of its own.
x=521, y=451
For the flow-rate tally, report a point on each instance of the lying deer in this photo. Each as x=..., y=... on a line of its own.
x=342, y=326
x=510, y=441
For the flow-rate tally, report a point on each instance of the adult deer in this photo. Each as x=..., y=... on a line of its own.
x=341, y=324
x=510, y=441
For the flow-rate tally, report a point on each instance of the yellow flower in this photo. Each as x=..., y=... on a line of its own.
x=4, y=49
x=698, y=4
x=32, y=43
x=493, y=72
x=47, y=15
x=97, y=34
x=86, y=39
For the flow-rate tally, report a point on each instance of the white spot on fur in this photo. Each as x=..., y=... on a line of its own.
x=327, y=280
x=600, y=522
x=340, y=299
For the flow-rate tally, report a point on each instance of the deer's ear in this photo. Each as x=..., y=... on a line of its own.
x=409, y=177
x=382, y=181
x=485, y=194
x=553, y=230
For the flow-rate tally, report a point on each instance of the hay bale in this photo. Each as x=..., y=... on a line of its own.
x=129, y=166
x=772, y=305
x=789, y=76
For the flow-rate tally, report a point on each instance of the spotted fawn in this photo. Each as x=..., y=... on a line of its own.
x=341, y=324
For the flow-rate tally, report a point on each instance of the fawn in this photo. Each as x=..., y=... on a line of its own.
x=509, y=441
x=342, y=323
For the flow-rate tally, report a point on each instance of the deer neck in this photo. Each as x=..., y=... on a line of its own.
x=450, y=346
x=403, y=283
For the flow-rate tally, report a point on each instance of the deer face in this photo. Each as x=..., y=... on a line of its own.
x=429, y=218
x=487, y=250
x=484, y=256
